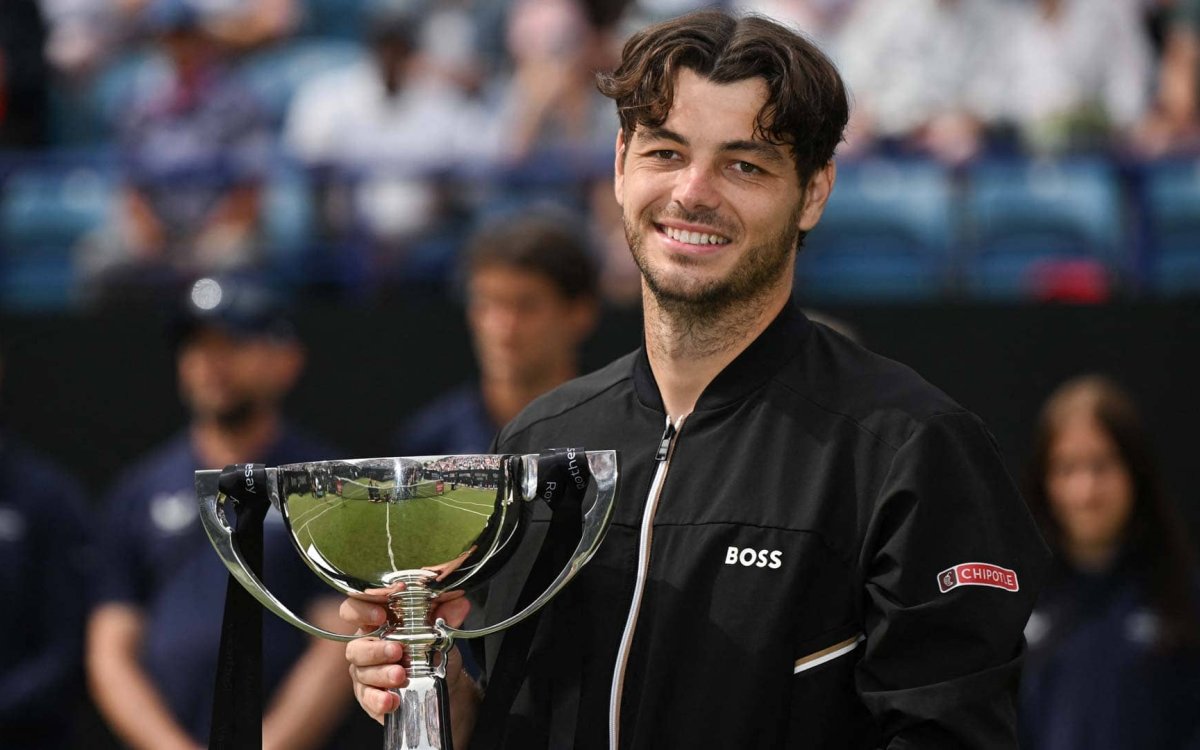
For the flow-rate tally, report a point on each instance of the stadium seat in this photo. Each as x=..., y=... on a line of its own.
x=37, y=279
x=1027, y=216
x=338, y=19
x=274, y=75
x=53, y=206
x=44, y=212
x=288, y=216
x=1172, y=197
x=885, y=235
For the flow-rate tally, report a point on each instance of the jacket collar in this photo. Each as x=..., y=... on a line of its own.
x=775, y=346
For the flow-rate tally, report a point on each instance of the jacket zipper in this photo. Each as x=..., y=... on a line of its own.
x=666, y=446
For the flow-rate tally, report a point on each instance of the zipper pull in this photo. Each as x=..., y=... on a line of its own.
x=664, y=443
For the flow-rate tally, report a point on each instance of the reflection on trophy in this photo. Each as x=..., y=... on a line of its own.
x=411, y=529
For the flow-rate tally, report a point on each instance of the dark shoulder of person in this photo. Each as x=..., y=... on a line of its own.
x=568, y=398
x=883, y=396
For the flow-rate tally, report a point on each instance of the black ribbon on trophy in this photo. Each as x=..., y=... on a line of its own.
x=237, y=697
x=562, y=481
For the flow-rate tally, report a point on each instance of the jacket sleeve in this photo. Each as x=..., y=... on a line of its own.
x=951, y=563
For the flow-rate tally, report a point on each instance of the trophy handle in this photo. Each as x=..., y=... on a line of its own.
x=603, y=465
x=212, y=515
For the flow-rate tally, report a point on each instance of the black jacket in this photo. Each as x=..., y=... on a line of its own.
x=780, y=584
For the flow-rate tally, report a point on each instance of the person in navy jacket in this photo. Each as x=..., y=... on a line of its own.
x=1114, y=642
x=153, y=638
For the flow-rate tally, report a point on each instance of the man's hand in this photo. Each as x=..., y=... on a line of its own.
x=374, y=662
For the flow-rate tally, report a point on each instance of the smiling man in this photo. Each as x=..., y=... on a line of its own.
x=790, y=502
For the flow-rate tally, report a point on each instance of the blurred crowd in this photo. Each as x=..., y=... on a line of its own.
x=355, y=143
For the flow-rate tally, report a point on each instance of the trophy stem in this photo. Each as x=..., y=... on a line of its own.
x=422, y=721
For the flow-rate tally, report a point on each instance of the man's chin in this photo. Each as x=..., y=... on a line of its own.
x=231, y=416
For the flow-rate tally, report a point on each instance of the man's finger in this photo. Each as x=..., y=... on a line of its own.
x=452, y=609
x=382, y=677
x=362, y=614
x=370, y=652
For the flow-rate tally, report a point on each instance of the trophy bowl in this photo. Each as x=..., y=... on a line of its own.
x=409, y=529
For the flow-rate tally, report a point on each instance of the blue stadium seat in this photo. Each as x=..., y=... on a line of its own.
x=1027, y=216
x=1172, y=192
x=53, y=206
x=274, y=75
x=339, y=19
x=288, y=216
x=37, y=279
x=44, y=212
x=885, y=235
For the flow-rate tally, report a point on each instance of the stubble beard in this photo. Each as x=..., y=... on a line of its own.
x=740, y=294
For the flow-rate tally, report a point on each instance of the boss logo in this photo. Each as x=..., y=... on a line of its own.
x=754, y=558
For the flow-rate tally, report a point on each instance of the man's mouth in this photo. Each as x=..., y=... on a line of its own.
x=693, y=238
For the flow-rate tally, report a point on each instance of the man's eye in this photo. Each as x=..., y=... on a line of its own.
x=665, y=154
x=746, y=167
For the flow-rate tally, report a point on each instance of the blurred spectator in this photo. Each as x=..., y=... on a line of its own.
x=195, y=152
x=1174, y=123
x=531, y=302
x=24, y=76
x=820, y=20
x=153, y=638
x=1080, y=73
x=1113, y=643
x=381, y=133
x=45, y=587
x=246, y=24
x=923, y=74
x=549, y=105
x=84, y=34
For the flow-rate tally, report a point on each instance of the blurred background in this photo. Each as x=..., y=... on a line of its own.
x=1018, y=198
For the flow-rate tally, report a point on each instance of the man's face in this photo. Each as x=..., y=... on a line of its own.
x=225, y=379
x=522, y=325
x=712, y=213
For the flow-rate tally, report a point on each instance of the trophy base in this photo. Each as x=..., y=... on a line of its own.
x=422, y=722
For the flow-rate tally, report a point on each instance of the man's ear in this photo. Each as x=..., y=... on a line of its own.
x=619, y=167
x=816, y=195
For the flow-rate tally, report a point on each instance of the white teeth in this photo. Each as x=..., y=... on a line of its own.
x=694, y=238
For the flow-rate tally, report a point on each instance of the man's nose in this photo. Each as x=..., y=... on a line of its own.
x=696, y=188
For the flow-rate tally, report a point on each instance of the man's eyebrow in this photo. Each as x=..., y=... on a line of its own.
x=662, y=134
x=761, y=149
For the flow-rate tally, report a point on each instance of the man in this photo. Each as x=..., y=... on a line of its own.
x=153, y=638
x=813, y=547
x=44, y=548
x=531, y=301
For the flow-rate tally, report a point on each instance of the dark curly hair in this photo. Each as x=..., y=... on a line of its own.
x=806, y=106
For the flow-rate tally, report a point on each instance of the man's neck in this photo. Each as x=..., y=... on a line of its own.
x=505, y=398
x=218, y=446
x=688, y=348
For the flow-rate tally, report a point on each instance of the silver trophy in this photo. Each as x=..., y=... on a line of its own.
x=412, y=528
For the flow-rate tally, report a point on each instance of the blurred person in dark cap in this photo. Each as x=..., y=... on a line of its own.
x=194, y=147
x=44, y=549
x=153, y=637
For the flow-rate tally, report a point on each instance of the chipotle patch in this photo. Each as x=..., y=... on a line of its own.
x=977, y=574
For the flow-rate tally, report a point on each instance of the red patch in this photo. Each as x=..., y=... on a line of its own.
x=977, y=574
